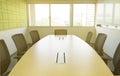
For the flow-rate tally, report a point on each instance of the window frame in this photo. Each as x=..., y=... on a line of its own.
x=71, y=17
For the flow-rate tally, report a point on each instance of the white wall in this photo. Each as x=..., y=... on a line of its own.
x=6, y=35
x=112, y=41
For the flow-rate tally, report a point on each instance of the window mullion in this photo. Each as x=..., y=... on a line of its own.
x=71, y=15
x=113, y=13
x=50, y=15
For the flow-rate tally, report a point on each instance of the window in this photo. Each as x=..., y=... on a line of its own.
x=83, y=14
x=100, y=14
x=108, y=14
x=42, y=15
x=117, y=15
x=61, y=14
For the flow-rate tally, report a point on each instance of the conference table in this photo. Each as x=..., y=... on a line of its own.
x=61, y=55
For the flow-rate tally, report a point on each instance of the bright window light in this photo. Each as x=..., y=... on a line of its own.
x=83, y=14
x=60, y=15
x=42, y=14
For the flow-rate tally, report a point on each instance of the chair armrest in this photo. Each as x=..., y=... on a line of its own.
x=17, y=57
x=107, y=56
x=92, y=45
x=22, y=53
x=106, y=59
x=29, y=45
x=6, y=73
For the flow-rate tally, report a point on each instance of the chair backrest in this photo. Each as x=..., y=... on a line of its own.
x=20, y=43
x=34, y=36
x=5, y=57
x=99, y=43
x=60, y=32
x=116, y=59
x=89, y=36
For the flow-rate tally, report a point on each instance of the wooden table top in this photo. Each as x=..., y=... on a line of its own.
x=61, y=56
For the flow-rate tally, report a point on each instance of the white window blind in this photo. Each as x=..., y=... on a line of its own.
x=117, y=14
x=100, y=14
x=108, y=14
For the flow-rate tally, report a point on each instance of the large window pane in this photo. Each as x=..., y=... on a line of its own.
x=60, y=15
x=117, y=15
x=100, y=14
x=83, y=14
x=42, y=14
x=108, y=13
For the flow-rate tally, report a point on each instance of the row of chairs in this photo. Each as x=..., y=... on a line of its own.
x=21, y=43
x=99, y=42
x=98, y=46
x=21, y=46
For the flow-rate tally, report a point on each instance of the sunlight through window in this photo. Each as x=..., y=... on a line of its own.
x=60, y=14
x=42, y=14
x=83, y=14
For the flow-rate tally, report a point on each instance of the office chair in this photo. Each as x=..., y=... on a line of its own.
x=60, y=32
x=4, y=58
x=99, y=43
x=115, y=60
x=89, y=36
x=20, y=44
x=34, y=36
